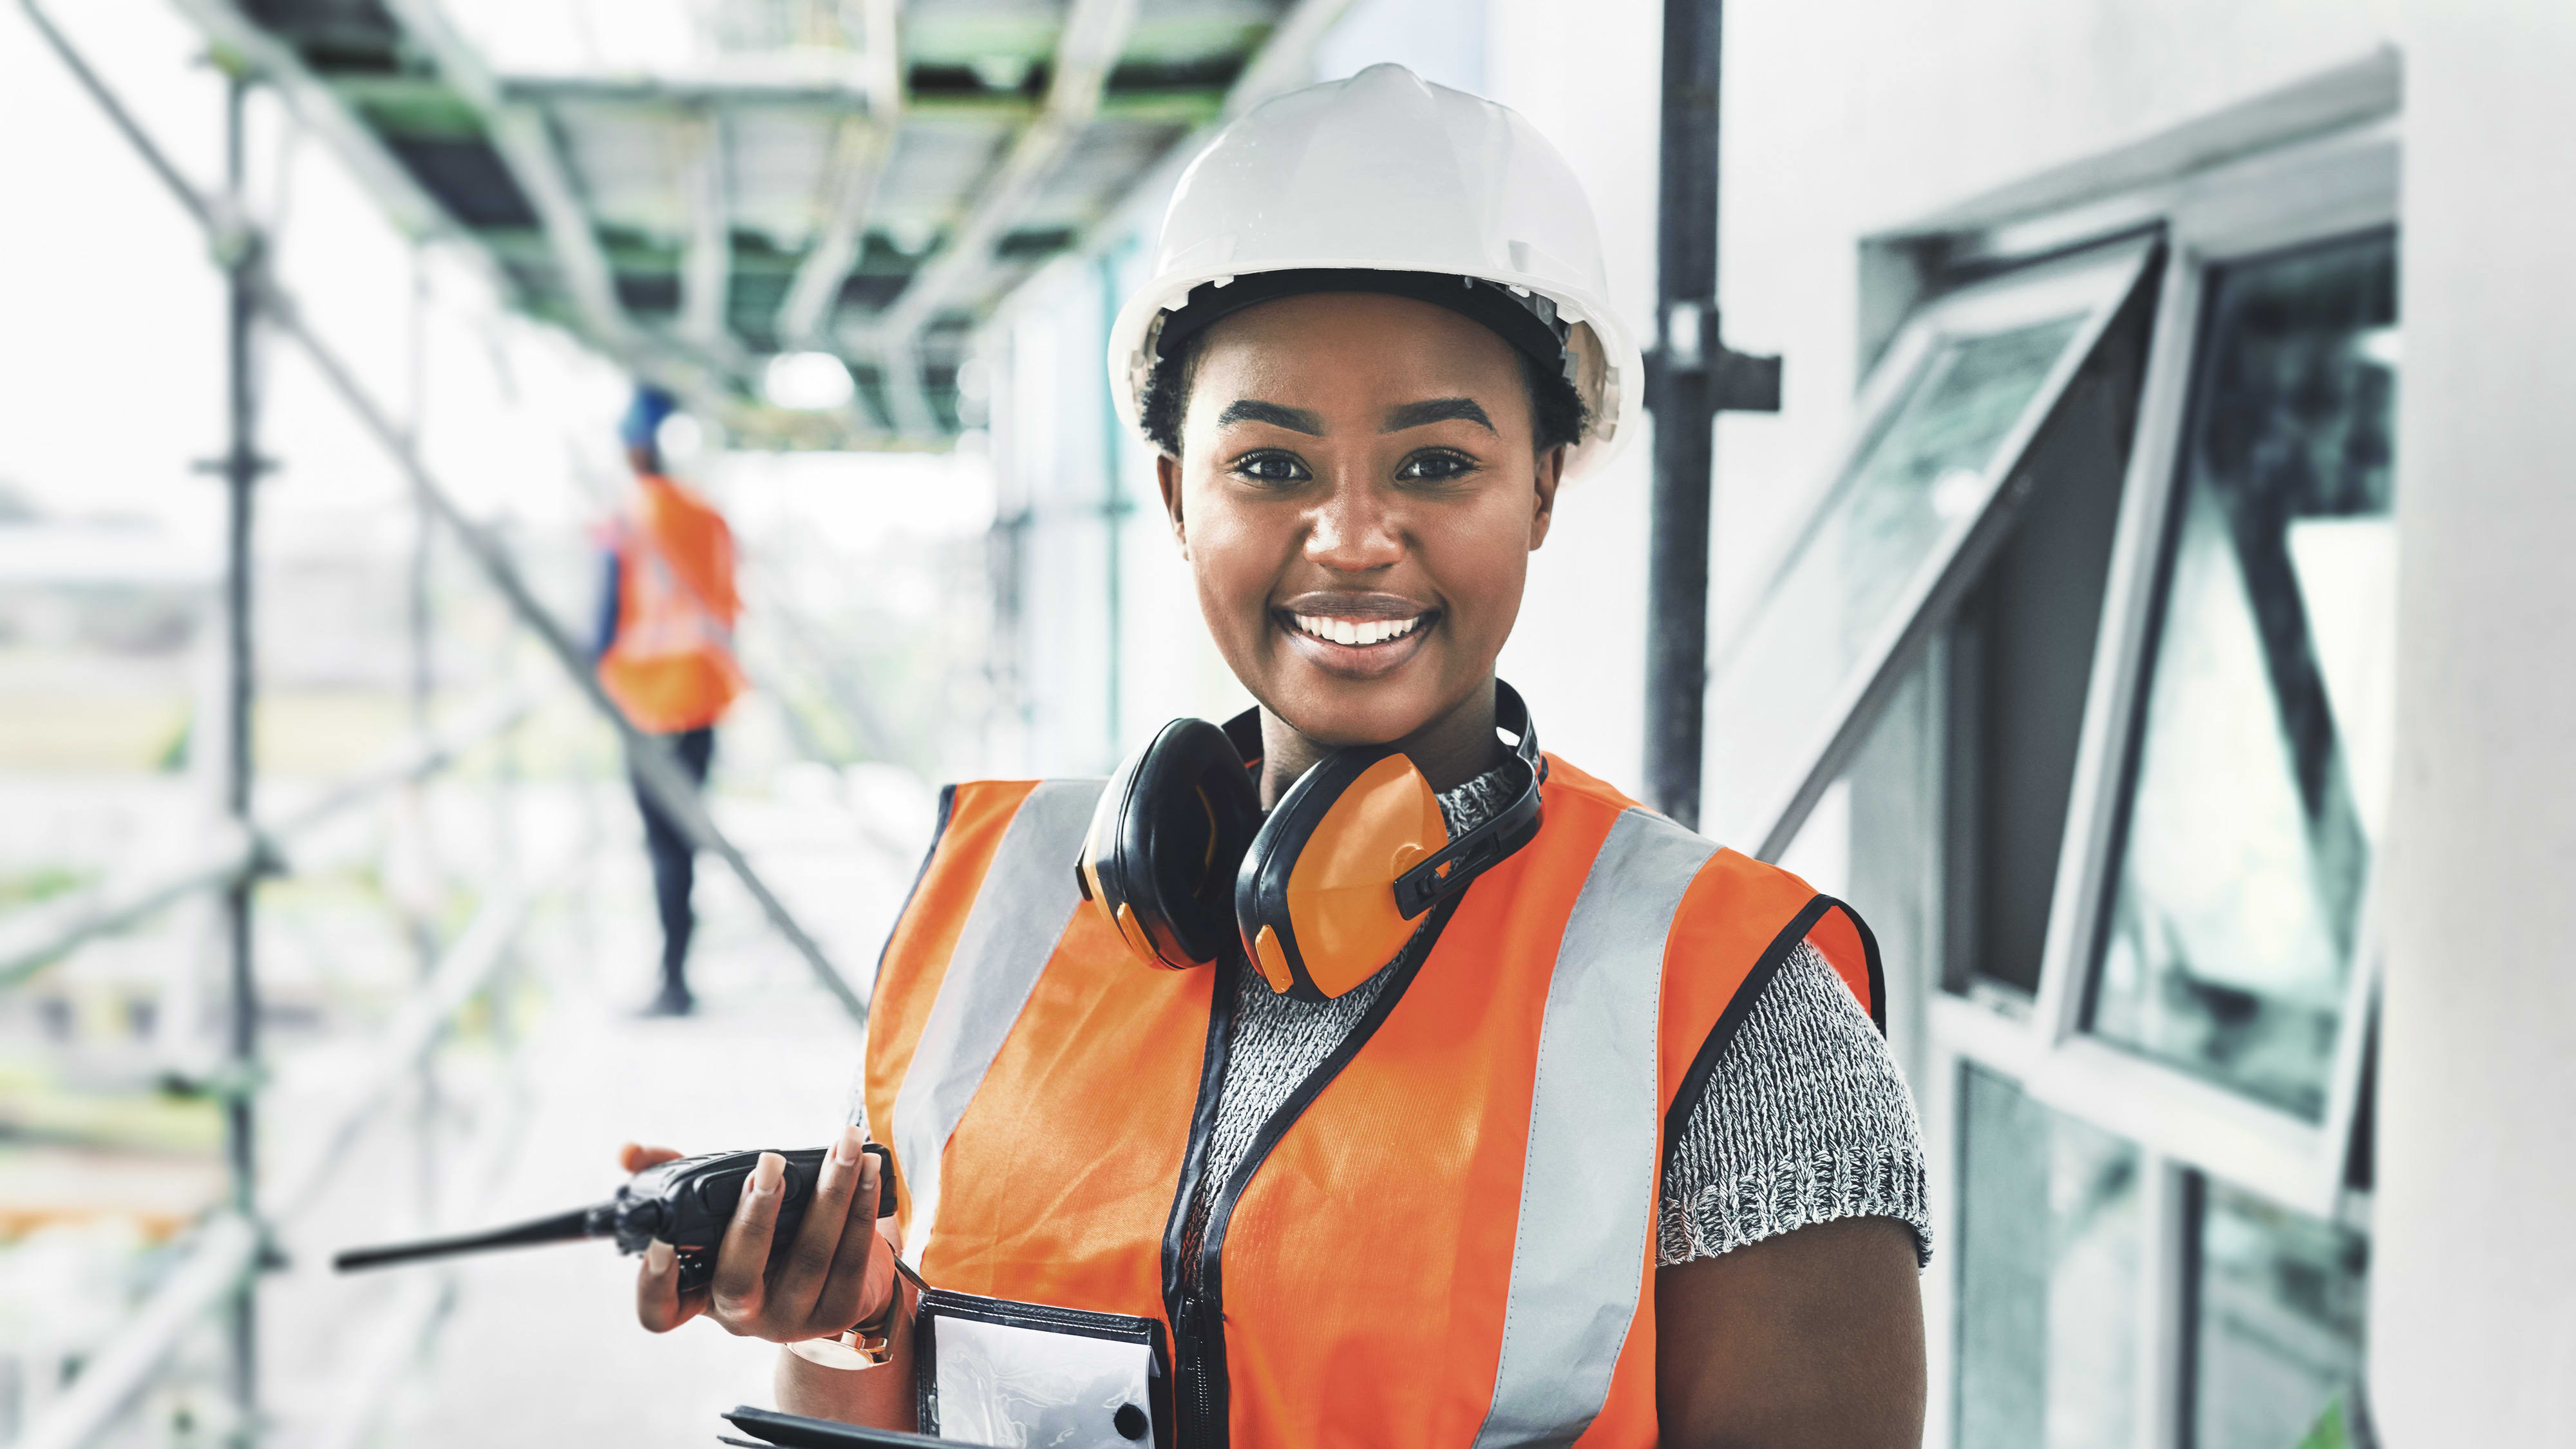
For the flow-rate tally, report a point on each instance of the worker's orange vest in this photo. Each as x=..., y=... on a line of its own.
x=1447, y=1237
x=671, y=666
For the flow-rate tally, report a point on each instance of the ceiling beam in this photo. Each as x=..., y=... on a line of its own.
x=706, y=267
x=1287, y=59
x=859, y=157
x=521, y=134
x=1095, y=32
x=1285, y=62
x=907, y=398
x=414, y=211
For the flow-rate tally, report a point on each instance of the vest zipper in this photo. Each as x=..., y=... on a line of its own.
x=1199, y=1397
x=1193, y=1402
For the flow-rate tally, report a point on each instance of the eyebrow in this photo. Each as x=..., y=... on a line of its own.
x=1248, y=410
x=1437, y=410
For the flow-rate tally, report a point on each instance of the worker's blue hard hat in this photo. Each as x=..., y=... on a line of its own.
x=644, y=416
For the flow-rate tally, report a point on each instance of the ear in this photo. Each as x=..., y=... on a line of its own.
x=1167, y=475
x=1550, y=473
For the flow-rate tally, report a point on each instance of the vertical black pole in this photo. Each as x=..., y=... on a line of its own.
x=241, y=468
x=1685, y=407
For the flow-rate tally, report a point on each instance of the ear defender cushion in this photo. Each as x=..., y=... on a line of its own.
x=1315, y=898
x=1165, y=839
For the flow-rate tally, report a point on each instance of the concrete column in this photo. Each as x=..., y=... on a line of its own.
x=2473, y=1294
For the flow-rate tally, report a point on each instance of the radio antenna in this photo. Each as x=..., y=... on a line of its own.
x=561, y=1228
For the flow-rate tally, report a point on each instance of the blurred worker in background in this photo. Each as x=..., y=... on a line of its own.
x=665, y=651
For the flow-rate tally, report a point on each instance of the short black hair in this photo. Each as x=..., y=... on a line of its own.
x=1557, y=413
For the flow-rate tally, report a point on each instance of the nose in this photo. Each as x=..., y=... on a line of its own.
x=1353, y=531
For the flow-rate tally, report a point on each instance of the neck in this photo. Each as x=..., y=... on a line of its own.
x=1450, y=750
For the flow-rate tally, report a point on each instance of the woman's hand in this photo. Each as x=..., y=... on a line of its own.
x=831, y=1278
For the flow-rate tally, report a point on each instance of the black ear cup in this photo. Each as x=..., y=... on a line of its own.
x=1165, y=841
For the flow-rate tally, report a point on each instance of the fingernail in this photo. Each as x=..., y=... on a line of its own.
x=868, y=1172
x=658, y=1256
x=846, y=1150
x=766, y=1175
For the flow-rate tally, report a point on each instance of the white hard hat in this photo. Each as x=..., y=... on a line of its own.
x=1386, y=172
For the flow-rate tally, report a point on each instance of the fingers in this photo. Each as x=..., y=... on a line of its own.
x=659, y=1304
x=738, y=1294
x=635, y=1157
x=850, y=1295
x=798, y=1282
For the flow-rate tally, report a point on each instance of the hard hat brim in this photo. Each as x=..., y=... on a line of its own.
x=1603, y=360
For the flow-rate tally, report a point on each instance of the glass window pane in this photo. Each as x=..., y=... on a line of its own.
x=2262, y=764
x=2279, y=1331
x=1921, y=480
x=2019, y=665
x=2049, y=1248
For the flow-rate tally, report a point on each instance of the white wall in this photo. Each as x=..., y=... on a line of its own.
x=1838, y=120
x=2473, y=1291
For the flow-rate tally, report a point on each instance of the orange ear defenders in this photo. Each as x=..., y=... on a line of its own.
x=1322, y=893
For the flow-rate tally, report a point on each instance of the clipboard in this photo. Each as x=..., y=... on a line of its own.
x=770, y=1429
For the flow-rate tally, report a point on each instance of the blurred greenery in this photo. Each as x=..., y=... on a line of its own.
x=2331, y=1432
x=35, y=1107
x=38, y=883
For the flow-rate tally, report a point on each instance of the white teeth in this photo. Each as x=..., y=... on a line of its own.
x=1356, y=631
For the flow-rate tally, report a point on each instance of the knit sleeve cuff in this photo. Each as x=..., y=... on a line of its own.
x=1854, y=1180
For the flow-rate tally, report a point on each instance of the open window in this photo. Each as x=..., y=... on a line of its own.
x=2253, y=797
x=1939, y=472
x=2088, y=642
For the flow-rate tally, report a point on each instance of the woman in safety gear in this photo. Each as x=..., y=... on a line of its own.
x=1421, y=1088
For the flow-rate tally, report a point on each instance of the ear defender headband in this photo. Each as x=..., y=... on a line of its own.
x=1320, y=895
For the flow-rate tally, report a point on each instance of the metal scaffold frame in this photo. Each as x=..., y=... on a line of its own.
x=656, y=770
x=218, y=1270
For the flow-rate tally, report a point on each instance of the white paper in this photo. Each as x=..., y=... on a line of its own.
x=1025, y=1388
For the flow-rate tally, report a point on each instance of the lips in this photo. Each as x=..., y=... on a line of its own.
x=1355, y=636
x=1364, y=633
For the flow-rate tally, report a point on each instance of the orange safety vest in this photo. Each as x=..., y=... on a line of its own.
x=671, y=667
x=1447, y=1234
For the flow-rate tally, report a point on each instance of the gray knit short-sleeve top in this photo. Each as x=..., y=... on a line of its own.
x=1805, y=1119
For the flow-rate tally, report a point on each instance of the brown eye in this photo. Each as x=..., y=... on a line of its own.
x=1273, y=468
x=1434, y=467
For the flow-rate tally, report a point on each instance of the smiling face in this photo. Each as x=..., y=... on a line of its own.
x=1358, y=494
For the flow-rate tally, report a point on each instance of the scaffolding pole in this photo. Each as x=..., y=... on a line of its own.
x=241, y=470
x=1113, y=522
x=420, y=640
x=656, y=769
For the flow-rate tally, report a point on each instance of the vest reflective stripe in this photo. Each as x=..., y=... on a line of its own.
x=1588, y=1191
x=1452, y=1242
x=1028, y=896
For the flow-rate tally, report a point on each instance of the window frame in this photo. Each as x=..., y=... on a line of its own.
x=2319, y=166
x=2340, y=185
x=2104, y=272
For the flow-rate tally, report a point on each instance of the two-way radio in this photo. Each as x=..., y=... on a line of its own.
x=687, y=1202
